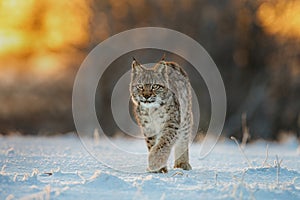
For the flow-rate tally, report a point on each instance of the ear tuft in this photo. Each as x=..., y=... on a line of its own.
x=136, y=66
x=163, y=57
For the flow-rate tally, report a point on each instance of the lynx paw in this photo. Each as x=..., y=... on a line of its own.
x=157, y=160
x=162, y=170
x=184, y=166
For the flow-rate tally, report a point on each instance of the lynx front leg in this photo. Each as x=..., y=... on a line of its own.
x=159, y=154
x=182, y=154
x=150, y=142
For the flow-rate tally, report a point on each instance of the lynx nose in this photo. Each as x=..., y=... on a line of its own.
x=147, y=93
x=147, y=96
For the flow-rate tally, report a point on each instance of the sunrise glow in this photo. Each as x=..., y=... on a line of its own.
x=280, y=18
x=31, y=29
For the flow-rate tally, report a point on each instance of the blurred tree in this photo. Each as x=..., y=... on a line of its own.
x=255, y=44
x=236, y=36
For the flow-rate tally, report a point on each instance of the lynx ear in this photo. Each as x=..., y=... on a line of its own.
x=136, y=66
x=161, y=67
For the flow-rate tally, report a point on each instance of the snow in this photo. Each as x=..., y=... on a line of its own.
x=62, y=168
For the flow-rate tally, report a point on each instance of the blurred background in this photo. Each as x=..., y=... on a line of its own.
x=254, y=43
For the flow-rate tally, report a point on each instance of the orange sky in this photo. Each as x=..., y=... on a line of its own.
x=280, y=18
x=35, y=30
x=33, y=24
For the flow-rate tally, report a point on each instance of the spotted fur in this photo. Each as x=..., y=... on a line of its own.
x=162, y=108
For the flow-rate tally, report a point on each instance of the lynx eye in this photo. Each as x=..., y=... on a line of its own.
x=155, y=87
x=140, y=87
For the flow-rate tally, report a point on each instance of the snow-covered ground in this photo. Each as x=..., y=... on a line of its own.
x=61, y=168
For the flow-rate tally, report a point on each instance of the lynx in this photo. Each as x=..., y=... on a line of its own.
x=161, y=96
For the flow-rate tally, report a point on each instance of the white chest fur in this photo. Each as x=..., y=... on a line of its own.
x=154, y=117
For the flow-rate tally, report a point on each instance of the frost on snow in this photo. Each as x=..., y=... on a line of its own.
x=61, y=168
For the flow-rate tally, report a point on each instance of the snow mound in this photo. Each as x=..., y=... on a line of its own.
x=106, y=181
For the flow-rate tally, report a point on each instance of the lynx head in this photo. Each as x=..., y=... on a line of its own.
x=149, y=86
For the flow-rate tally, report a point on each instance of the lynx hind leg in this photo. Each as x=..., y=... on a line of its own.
x=182, y=154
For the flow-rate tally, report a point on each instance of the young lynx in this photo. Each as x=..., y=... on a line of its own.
x=163, y=109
